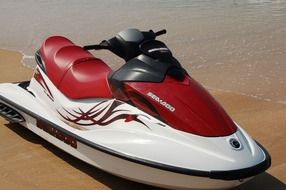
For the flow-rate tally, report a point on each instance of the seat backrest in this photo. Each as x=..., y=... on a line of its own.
x=59, y=54
x=73, y=70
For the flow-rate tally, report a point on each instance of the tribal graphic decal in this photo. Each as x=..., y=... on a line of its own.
x=100, y=114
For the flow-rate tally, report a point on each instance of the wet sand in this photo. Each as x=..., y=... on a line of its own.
x=28, y=162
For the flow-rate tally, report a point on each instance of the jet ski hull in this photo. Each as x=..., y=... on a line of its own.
x=148, y=121
x=46, y=125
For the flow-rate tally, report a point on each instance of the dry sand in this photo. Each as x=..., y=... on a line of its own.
x=28, y=162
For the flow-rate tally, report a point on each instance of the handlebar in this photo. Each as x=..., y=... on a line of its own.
x=106, y=45
x=103, y=45
x=161, y=32
x=92, y=47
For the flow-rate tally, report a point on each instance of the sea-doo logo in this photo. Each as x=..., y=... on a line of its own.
x=60, y=135
x=160, y=101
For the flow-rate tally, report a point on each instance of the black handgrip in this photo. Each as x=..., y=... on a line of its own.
x=93, y=47
x=161, y=32
x=103, y=45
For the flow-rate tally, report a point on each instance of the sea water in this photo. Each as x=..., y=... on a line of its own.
x=232, y=45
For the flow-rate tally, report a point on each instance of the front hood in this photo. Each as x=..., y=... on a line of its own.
x=167, y=149
x=184, y=105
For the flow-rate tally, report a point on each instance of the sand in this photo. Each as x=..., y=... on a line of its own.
x=28, y=162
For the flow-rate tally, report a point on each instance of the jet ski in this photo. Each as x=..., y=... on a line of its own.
x=148, y=121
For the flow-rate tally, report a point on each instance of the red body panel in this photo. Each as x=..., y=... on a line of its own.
x=185, y=105
x=74, y=71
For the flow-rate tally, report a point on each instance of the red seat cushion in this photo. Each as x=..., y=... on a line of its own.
x=74, y=71
x=86, y=79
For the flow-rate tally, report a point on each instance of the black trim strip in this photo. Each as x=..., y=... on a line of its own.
x=224, y=175
x=39, y=61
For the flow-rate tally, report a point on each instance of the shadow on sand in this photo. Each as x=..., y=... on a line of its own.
x=111, y=181
x=263, y=181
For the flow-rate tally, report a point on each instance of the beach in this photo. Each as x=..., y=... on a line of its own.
x=235, y=49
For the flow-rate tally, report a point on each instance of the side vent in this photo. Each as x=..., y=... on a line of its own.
x=10, y=114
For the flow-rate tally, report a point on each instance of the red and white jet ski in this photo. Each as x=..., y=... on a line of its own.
x=148, y=121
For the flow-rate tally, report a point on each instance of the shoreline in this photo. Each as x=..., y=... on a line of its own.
x=37, y=164
x=7, y=53
x=244, y=94
x=12, y=70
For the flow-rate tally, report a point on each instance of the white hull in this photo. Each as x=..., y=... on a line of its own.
x=79, y=143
